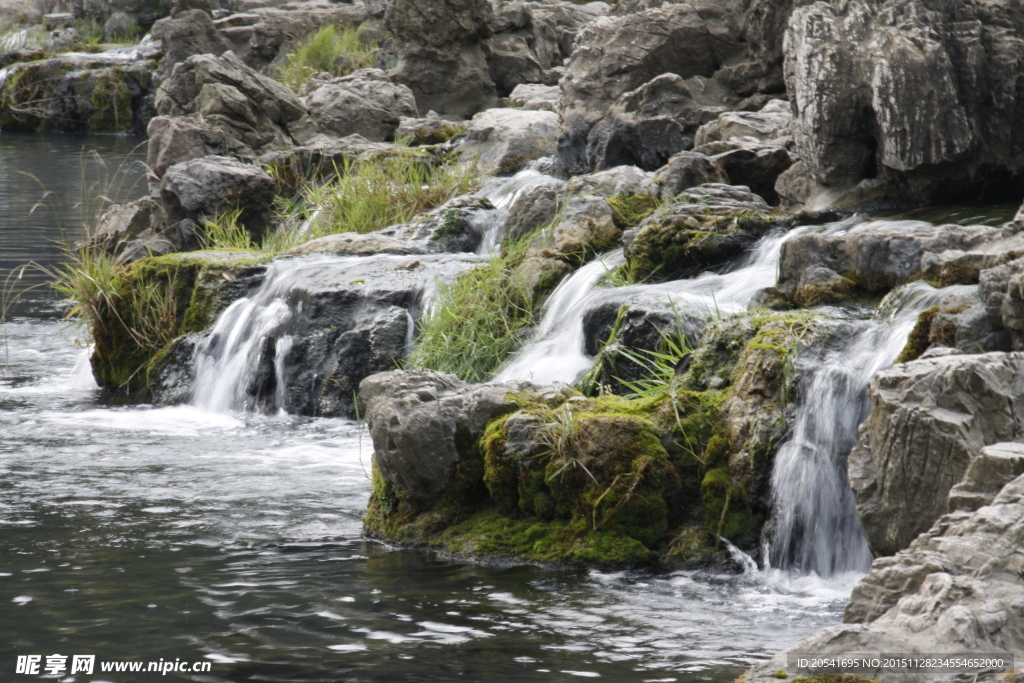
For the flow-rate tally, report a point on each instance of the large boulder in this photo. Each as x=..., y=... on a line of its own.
x=618, y=55
x=440, y=57
x=365, y=103
x=920, y=97
x=420, y=423
x=186, y=34
x=956, y=590
x=174, y=139
x=874, y=257
x=501, y=141
x=929, y=419
x=205, y=188
x=688, y=169
x=255, y=113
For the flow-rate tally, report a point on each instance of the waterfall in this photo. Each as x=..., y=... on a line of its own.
x=255, y=332
x=556, y=351
x=503, y=193
x=814, y=523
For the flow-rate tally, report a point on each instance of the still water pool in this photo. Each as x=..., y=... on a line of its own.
x=137, y=534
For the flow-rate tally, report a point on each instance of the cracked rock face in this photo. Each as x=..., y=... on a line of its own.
x=913, y=89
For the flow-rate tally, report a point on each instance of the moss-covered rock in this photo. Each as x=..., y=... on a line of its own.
x=609, y=481
x=706, y=226
x=159, y=298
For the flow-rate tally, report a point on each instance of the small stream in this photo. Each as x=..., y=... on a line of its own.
x=210, y=534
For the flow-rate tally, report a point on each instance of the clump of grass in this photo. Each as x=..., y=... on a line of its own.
x=477, y=320
x=321, y=51
x=225, y=232
x=374, y=193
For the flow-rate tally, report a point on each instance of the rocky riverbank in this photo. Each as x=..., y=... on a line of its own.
x=596, y=194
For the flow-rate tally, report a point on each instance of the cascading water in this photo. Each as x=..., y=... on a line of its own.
x=557, y=350
x=503, y=193
x=814, y=520
x=229, y=361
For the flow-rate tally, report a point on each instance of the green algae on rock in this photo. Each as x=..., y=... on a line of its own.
x=544, y=474
x=156, y=300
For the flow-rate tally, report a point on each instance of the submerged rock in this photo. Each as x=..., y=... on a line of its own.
x=929, y=419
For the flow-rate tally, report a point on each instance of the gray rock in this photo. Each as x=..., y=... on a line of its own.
x=994, y=468
x=585, y=227
x=956, y=589
x=255, y=113
x=875, y=257
x=772, y=122
x=118, y=26
x=439, y=54
x=533, y=96
x=648, y=125
x=707, y=225
x=688, y=169
x=422, y=421
x=365, y=103
x=78, y=93
x=174, y=139
x=188, y=33
x=501, y=141
x=929, y=419
x=122, y=224
x=56, y=21
x=430, y=130
x=889, y=90
x=207, y=187
x=752, y=163
x=532, y=209
x=354, y=244
x=614, y=182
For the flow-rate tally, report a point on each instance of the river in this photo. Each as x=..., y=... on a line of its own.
x=138, y=534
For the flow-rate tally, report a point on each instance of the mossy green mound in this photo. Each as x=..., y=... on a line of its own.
x=157, y=299
x=616, y=481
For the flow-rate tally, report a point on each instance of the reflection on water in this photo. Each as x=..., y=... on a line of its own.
x=67, y=182
x=138, y=533
x=976, y=213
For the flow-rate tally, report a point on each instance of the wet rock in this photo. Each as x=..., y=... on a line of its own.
x=534, y=96
x=707, y=225
x=955, y=589
x=621, y=181
x=890, y=91
x=365, y=103
x=79, y=93
x=430, y=130
x=532, y=209
x=586, y=226
x=501, y=141
x=422, y=424
x=929, y=420
x=354, y=244
x=540, y=274
x=688, y=169
x=875, y=257
x=205, y=188
x=255, y=113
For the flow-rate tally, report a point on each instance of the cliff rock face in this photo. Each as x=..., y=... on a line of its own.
x=925, y=96
x=929, y=420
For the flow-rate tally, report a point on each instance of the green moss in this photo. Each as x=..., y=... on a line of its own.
x=918, y=341
x=111, y=101
x=158, y=299
x=629, y=210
